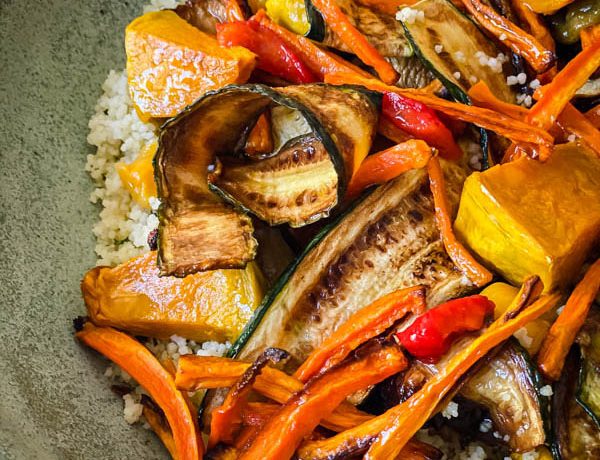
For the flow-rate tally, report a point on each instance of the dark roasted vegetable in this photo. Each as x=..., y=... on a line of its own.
x=198, y=230
x=576, y=436
x=568, y=22
x=588, y=391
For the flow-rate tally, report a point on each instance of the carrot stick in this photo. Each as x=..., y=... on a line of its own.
x=227, y=418
x=360, y=327
x=481, y=95
x=389, y=164
x=257, y=413
x=233, y=11
x=589, y=35
x=506, y=126
x=393, y=429
x=519, y=41
x=319, y=61
x=558, y=342
x=298, y=417
x=260, y=139
x=141, y=364
x=356, y=41
x=576, y=123
x=593, y=115
x=199, y=372
x=472, y=269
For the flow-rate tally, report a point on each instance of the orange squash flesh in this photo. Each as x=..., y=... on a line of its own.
x=170, y=63
x=298, y=417
x=138, y=176
x=361, y=326
x=140, y=363
x=260, y=139
x=561, y=336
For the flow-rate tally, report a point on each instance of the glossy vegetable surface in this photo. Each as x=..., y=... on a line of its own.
x=138, y=177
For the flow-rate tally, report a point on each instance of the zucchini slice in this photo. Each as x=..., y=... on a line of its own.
x=508, y=386
x=198, y=230
x=588, y=391
x=576, y=436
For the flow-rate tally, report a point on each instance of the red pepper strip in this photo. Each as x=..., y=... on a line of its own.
x=593, y=115
x=141, y=364
x=421, y=122
x=501, y=124
x=432, y=333
x=161, y=429
x=388, y=164
x=356, y=41
x=360, y=327
x=472, y=269
x=298, y=417
x=274, y=55
x=557, y=343
x=512, y=36
x=227, y=418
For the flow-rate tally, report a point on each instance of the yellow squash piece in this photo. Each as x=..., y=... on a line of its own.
x=289, y=13
x=170, y=63
x=532, y=218
x=138, y=176
x=212, y=305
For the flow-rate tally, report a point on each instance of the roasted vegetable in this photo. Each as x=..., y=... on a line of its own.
x=431, y=334
x=206, y=14
x=568, y=23
x=524, y=197
x=576, y=436
x=547, y=6
x=299, y=416
x=213, y=305
x=588, y=392
x=138, y=176
x=562, y=334
x=508, y=386
x=140, y=363
x=191, y=63
x=197, y=230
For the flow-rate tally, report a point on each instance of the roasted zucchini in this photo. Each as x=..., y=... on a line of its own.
x=198, y=230
x=588, y=391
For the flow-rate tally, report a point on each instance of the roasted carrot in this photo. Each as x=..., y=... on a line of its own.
x=393, y=429
x=233, y=11
x=547, y=6
x=260, y=139
x=520, y=42
x=506, y=126
x=227, y=418
x=298, y=417
x=390, y=7
x=472, y=269
x=593, y=115
x=481, y=95
x=589, y=35
x=141, y=364
x=355, y=40
x=319, y=61
x=388, y=164
x=361, y=326
x=573, y=121
x=257, y=413
x=161, y=429
x=557, y=343
x=199, y=372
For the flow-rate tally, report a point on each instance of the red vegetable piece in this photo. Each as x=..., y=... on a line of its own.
x=274, y=55
x=432, y=333
x=420, y=121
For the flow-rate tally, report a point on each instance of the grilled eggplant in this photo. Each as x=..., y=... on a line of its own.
x=198, y=230
x=588, y=391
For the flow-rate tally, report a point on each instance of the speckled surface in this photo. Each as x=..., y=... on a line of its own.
x=54, y=403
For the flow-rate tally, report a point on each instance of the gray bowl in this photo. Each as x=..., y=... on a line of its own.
x=54, y=401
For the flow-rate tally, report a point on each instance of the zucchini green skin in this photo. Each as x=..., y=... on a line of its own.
x=317, y=28
x=190, y=239
x=588, y=386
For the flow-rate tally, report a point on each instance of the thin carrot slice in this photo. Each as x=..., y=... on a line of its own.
x=141, y=364
x=360, y=327
x=393, y=429
x=257, y=413
x=260, y=139
x=514, y=130
x=319, y=61
x=562, y=333
x=576, y=123
x=593, y=115
x=199, y=372
x=481, y=95
x=227, y=418
x=298, y=417
x=472, y=269
x=511, y=35
x=356, y=41
x=589, y=35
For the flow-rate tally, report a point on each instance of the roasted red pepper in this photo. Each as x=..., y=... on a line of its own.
x=418, y=120
x=431, y=334
x=274, y=55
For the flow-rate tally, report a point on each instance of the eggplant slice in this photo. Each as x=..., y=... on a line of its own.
x=588, y=391
x=198, y=230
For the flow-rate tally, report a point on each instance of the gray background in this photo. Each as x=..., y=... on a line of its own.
x=54, y=401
